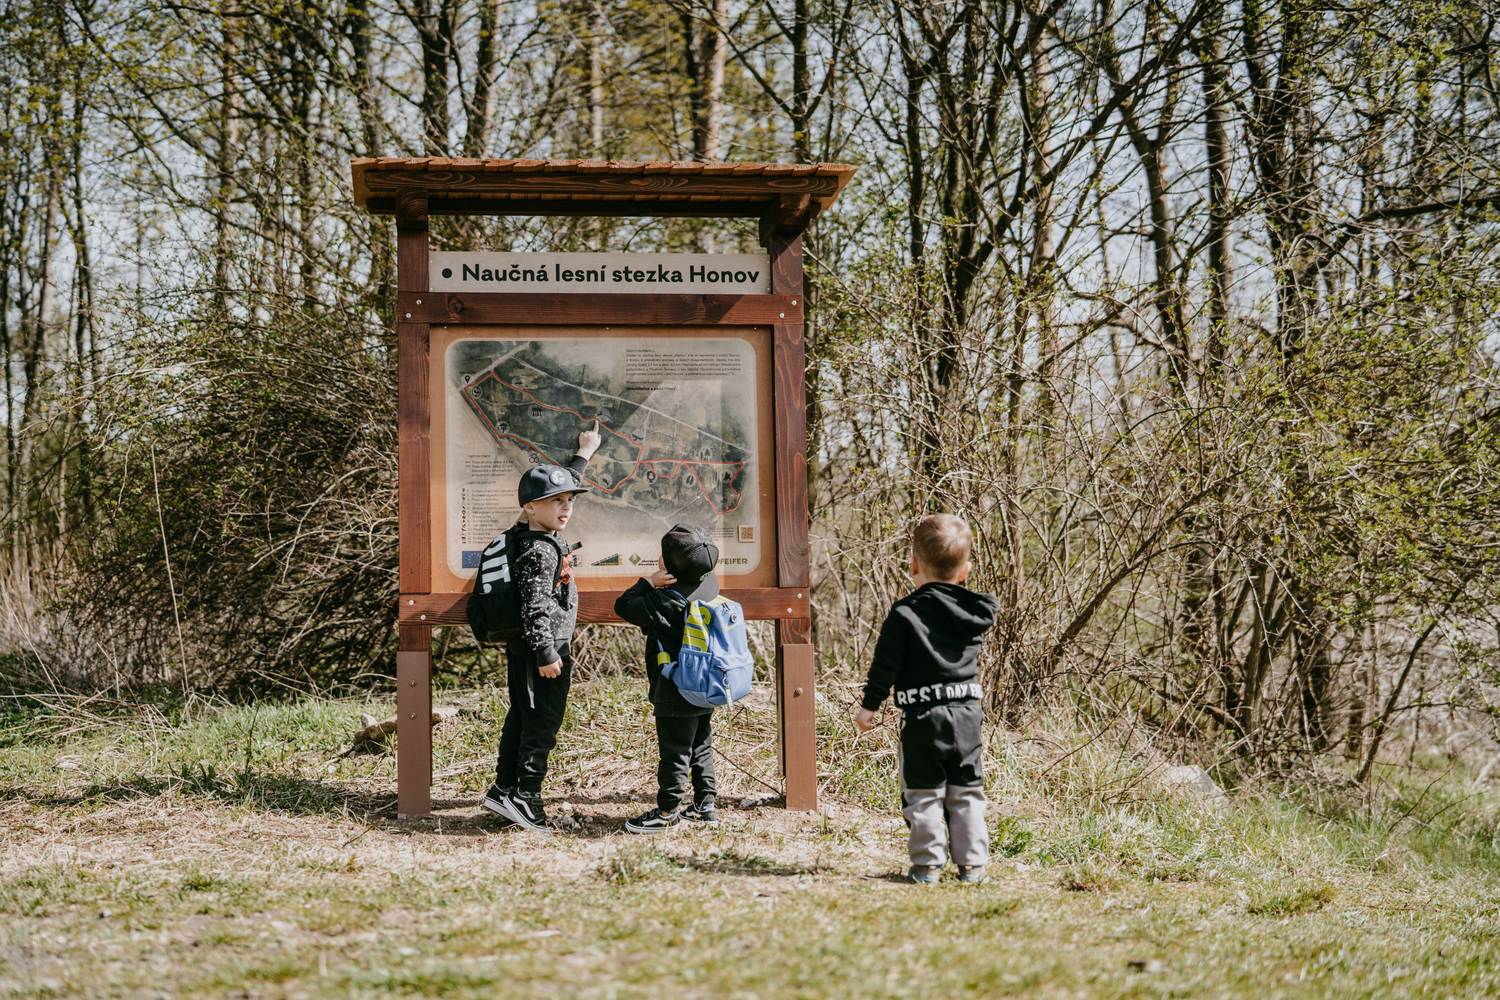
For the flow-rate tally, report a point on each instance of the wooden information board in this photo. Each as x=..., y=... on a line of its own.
x=700, y=393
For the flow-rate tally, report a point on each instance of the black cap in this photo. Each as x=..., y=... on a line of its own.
x=690, y=555
x=542, y=481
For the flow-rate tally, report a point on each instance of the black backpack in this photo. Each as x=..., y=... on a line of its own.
x=494, y=608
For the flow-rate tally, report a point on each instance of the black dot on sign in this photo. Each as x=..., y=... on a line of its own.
x=447, y=272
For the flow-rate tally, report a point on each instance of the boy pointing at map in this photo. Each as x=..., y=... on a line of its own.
x=539, y=664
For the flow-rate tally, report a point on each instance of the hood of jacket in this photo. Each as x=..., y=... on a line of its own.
x=954, y=609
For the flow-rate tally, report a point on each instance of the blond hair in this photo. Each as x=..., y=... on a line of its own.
x=942, y=543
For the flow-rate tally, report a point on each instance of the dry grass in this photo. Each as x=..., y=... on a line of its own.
x=239, y=854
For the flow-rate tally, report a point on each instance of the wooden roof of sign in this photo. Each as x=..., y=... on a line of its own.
x=785, y=195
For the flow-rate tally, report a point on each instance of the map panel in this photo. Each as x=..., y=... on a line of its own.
x=680, y=443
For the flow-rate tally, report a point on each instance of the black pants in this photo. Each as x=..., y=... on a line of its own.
x=687, y=749
x=535, y=715
x=941, y=746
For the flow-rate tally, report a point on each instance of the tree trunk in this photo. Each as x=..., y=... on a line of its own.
x=596, y=80
x=707, y=50
x=377, y=228
x=225, y=150
x=434, y=32
x=480, y=107
x=12, y=211
x=304, y=88
x=1219, y=160
x=1041, y=278
x=1281, y=137
x=34, y=348
x=364, y=78
x=86, y=358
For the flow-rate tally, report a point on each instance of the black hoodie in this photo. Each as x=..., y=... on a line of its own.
x=928, y=648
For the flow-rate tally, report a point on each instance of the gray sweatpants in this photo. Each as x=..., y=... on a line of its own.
x=946, y=821
x=940, y=751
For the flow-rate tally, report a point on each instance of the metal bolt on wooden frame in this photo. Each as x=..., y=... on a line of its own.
x=784, y=198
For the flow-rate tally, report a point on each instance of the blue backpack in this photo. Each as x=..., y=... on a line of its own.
x=714, y=667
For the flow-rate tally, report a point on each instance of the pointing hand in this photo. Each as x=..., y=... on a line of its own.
x=589, y=440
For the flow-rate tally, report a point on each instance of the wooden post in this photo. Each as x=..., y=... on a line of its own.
x=795, y=666
x=795, y=712
x=414, y=722
x=414, y=646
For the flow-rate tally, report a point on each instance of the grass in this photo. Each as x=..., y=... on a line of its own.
x=237, y=851
x=1290, y=902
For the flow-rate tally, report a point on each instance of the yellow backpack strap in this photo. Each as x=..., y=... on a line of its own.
x=695, y=627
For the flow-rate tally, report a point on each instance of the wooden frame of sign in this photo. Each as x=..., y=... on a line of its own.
x=784, y=198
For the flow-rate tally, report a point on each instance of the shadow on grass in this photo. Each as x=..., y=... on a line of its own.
x=893, y=878
x=270, y=792
x=294, y=795
x=732, y=862
x=594, y=824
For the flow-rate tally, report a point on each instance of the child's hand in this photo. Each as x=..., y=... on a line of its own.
x=589, y=441
x=661, y=578
x=553, y=669
x=865, y=720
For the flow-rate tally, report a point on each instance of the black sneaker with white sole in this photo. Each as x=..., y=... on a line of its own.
x=493, y=798
x=653, y=821
x=701, y=812
x=525, y=810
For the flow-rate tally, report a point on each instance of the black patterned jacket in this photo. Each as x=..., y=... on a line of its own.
x=549, y=599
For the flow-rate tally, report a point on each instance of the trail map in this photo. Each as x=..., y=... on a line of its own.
x=677, y=418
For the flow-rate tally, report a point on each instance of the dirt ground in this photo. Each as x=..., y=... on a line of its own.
x=243, y=854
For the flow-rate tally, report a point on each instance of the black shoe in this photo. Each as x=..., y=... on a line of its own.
x=525, y=809
x=494, y=797
x=701, y=812
x=653, y=821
